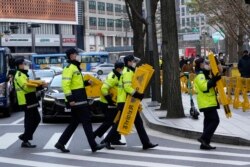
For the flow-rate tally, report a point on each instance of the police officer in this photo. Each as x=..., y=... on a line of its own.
x=108, y=105
x=27, y=102
x=125, y=88
x=73, y=87
x=207, y=102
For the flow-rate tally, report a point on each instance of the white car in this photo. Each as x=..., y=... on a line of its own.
x=103, y=68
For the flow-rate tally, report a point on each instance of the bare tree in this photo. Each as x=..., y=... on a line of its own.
x=171, y=80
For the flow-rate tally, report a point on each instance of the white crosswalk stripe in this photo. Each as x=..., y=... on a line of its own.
x=52, y=141
x=107, y=160
x=8, y=139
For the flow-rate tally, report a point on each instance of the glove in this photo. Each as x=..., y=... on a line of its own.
x=138, y=95
x=212, y=82
x=110, y=101
x=216, y=78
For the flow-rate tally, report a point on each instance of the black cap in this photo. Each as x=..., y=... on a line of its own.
x=128, y=58
x=19, y=61
x=71, y=51
x=119, y=64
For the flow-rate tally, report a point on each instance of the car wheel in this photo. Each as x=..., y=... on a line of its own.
x=100, y=72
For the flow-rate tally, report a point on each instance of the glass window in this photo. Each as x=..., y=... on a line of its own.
x=182, y=2
x=44, y=73
x=110, y=22
x=101, y=22
x=101, y=6
x=109, y=7
x=118, y=8
x=183, y=22
x=118, y=23
x=188, y=22
x=2, y=64
x=41, y=60
x=183, y=11
x=92, y=21
x=57, y=81
x=55, y=60
x=92, y=5
x=86, y=59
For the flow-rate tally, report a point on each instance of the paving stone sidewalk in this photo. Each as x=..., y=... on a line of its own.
x=235, y=130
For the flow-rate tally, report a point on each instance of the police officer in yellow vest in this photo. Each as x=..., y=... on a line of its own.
x=73, y=87
x=207, y=102
x=125, y=88
x=108, y=105
x=27, y=102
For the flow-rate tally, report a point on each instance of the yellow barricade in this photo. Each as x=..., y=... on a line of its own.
x=140, y=81
x=34, y=83
x=237, y=103
x=93, y=90
x=245, y=103
x=219, y=85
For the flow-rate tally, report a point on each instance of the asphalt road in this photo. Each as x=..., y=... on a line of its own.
x=172, y=151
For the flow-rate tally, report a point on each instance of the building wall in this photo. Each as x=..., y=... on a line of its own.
x=43, y=10
x=106, y=24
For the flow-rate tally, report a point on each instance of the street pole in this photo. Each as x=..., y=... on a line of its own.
x=33, y=49
x=204, y=36
x=150, y=48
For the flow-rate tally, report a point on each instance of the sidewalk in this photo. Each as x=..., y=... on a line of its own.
x=235, y=130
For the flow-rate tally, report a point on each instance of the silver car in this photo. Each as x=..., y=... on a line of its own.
x=103, y=68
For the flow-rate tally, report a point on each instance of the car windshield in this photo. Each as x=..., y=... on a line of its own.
x=57, y=81
x=44, y=73
x=31, y=74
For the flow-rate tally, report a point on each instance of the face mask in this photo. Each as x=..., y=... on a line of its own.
x=134, y=65
x=188, y=62
x=26, y=67
x=207, y=67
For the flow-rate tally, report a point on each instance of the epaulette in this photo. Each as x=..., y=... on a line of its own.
x=68, y=65
x=113, y=76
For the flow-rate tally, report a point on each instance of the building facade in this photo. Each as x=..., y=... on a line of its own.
x=41, y=26
x=106, y=25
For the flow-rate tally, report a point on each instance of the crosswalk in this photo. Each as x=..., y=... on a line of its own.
x=160, y=156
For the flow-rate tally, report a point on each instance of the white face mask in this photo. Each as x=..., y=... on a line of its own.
x=26, y=67
x=188, y=62
x=134, y=65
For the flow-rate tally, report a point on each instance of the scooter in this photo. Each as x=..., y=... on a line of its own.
x=193, y=111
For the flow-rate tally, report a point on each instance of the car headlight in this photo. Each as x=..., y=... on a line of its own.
x=49, y=98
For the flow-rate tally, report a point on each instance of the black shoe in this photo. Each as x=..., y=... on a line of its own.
x=27, y=145
x=109, y=147
x=148, y=146
x=211, y=147
x=21, y=137
x=98, y=147
x=204, y=147
x=118, y=143
x=61, y=147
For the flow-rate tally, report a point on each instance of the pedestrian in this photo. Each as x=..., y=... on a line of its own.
x=27, y=102
x=207, y=102
x=125, y=88
x=182, y=62
x=244, y=65
x=188, y=67
x=108, y=106
x=73, y=86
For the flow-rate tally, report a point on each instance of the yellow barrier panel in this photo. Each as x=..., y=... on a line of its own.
x=34, y=83
x=245, y=103
x=237, y=103
x=93, y=90
x=219, y=85
x=140, y=80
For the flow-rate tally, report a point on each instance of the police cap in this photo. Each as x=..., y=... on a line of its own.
x=19, y=61
x=71, y=51
x=128, y=58
x=119, y=64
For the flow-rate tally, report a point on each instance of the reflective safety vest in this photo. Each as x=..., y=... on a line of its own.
x=110, y=82
x=205, y=98
x=125, y=85
x=73, y=85
x=26, y=95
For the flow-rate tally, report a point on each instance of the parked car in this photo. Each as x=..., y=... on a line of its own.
x=54, y=107
x=102, y=68
x=58, y=70
x=45, y=75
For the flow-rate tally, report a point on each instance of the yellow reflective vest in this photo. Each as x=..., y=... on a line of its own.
x=205, y=98
x=110, y=82
x=73, y=85
x=22, y=90
x=125, y=85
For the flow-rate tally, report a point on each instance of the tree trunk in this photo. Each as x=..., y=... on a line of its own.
x=172, y=99
x=240, y=43
x=156, y=87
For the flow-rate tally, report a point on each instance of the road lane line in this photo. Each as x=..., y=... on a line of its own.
x=8, y=139
x=214, y=152
x=52, y=141
x=176, y=157
x=106, y=160
x=30, y=163
x=17, y=121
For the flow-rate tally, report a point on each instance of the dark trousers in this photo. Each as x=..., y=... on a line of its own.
x=138, y=125
x=110, y=114
x=210, y=124
x=79, y=115
x=31, y=121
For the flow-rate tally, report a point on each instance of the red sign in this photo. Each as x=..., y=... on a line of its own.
x=69, y=40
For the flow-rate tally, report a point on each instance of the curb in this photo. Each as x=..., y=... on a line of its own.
x=155, y=124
